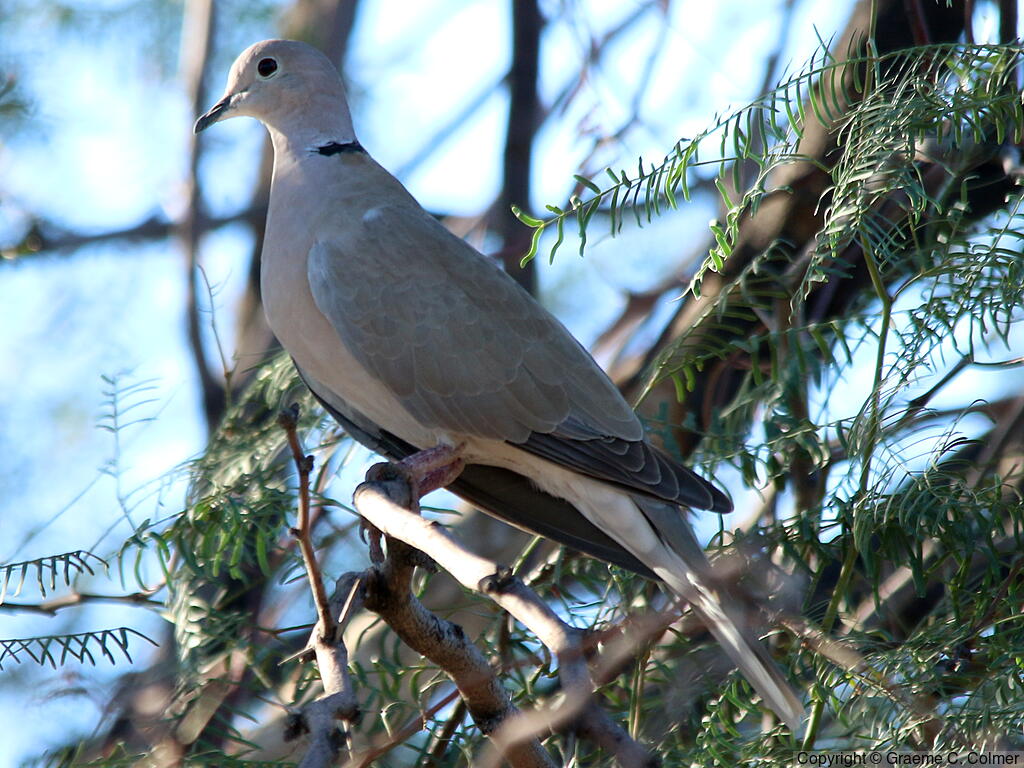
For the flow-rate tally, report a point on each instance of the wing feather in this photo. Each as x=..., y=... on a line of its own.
x=634, y=465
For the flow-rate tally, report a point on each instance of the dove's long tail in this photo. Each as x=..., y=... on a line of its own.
x=681, y=564
x=657, y=533
x=743, y=648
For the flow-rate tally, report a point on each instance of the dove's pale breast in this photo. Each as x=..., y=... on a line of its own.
x=307, y=335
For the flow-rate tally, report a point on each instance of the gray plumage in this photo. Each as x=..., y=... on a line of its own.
x=460, y=344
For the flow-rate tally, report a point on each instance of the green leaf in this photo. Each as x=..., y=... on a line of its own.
x=588, y=184
x=526, y=218
x=534, y=242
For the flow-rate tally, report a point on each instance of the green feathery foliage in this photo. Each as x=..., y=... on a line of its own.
x=84, y=647
x=47, y=570
x=902, y=489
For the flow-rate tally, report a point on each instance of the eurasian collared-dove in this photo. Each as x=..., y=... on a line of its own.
x=414, y=340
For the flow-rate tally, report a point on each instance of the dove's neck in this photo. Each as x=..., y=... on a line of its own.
x=322, y=121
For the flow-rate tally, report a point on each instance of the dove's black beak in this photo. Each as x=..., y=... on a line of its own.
x=214, y=114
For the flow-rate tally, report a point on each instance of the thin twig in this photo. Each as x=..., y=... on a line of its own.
x=51, y=607
x=443, y=739
x=197, y=46
x=319, y=718
x=302, y=533
x=415, y=725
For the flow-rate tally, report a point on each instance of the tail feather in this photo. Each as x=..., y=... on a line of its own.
x=746, y=651
x=688, y=577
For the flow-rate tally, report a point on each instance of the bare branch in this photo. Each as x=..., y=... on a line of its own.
x=53, y=606
x=302, y=532
x=47, y=237
x=197, y=46
x=338, y=702
x=319, y=718
x=377, y=503
x=523, y=114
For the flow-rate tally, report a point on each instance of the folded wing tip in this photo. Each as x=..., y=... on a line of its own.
x=720, y=503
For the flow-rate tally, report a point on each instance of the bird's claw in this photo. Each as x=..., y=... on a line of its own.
x=370, y=534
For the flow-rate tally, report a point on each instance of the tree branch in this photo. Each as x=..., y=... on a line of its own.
x=523, y=114
x=338, y=703
x=384, y=504
x=302, y=531
x=198, y=44
x=53, y=606
x=46, y=237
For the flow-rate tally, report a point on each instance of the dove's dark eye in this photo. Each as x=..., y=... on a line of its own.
x=266, y=67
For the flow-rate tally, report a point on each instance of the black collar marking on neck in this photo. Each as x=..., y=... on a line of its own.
x=334, y=148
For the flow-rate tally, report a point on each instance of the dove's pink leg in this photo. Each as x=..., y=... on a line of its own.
x=432, y=468
x=423, y=471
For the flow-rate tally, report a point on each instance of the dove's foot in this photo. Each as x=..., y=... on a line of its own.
x=423, y=471
x=433, y=468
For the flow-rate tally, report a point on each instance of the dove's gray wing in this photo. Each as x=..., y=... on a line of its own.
x=453, y=337
x=464, y=348
x=501, y=492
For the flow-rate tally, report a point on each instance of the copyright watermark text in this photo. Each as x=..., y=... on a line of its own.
x=881, y=757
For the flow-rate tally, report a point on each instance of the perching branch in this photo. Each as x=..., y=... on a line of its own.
x=385, y=506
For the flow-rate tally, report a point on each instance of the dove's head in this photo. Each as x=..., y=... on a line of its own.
x=290, y=87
